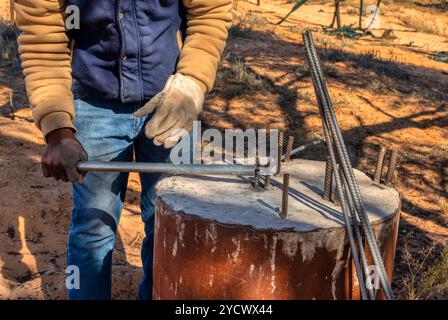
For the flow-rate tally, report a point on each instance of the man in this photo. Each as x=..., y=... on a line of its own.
x=134, y=89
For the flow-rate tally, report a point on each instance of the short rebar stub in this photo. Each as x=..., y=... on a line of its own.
x=280, y=153
x=379, y=164
x=393, y=160
x=267, y=181
x=289, y=148
x=285, y=195
x=257, y=177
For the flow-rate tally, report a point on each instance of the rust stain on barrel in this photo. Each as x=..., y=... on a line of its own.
x=196, y=258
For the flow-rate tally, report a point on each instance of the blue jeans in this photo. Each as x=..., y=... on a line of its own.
x=109, y=132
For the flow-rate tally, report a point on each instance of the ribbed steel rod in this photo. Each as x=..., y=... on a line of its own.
x=358, y=236
x=285, y=196
x=353, y=188
x=330, y=123
x=392, y=167
x=329, y=119
x=169, y=168
x=267, y=181
x=379, y=164
x=345, y=206
x=280, y=152
x=289, y=148
x=345, y=209
x=328, y=183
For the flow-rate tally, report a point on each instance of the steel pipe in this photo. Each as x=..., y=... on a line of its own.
x=169, y=168
x=304, y=147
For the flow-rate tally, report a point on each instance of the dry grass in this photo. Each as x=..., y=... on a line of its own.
x=384, y=75
x=254, y=19
x=427, y=276
x=423, y=16
x=297, y=29
x=235, y=75
x=240, y=26
x=444, y=214
x=8, y=43
x=382, y=85
x=238, y=79
x=248, y=23
x=423, y=20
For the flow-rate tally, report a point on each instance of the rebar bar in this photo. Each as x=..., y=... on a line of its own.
x=379, y=164
x=339, y=191
x=289, y=148
x=335, y=136
x=393, y=160
x=257, y=177
x=285, y=196
x=267, y=181
x=280, y=152
x=358, y=236
x=347, y=170
x=328, y=183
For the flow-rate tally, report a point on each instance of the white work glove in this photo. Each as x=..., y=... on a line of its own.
x=176, y=107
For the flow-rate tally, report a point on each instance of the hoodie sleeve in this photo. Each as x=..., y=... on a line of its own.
x=45, y=52
x=208, y=22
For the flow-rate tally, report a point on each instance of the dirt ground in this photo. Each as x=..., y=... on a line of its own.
x=385, y=91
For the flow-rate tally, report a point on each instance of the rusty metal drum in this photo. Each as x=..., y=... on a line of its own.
x=218, y=238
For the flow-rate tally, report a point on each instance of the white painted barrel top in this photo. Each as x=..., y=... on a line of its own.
x=232, y=200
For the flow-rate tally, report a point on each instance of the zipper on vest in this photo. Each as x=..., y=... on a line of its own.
x=123, y=96
x=139, y=63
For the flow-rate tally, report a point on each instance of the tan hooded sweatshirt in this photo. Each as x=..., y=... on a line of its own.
x=45, y=51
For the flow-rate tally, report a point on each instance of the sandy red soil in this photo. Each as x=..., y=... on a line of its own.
x=404, y=107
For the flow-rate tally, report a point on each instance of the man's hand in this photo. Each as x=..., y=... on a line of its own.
x=176, y=107
x=61, y=156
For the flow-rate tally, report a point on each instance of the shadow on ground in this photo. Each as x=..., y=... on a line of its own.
x=286, y=89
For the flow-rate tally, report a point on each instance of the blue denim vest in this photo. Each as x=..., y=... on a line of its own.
x=126, y=49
